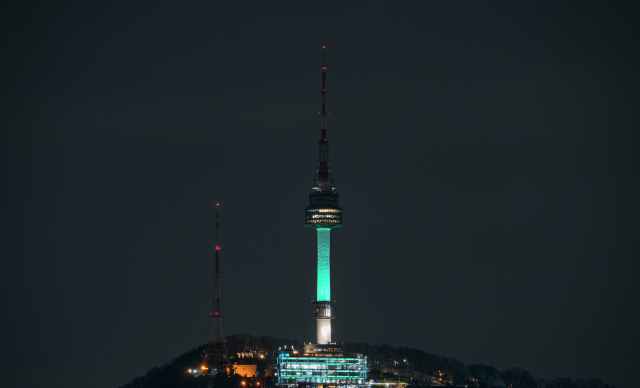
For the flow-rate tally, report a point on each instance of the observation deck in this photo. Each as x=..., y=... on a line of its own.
x=323, y=211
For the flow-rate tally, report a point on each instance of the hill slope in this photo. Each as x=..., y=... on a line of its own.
x=413, y=366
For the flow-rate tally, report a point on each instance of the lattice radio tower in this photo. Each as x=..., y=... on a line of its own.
x=216, y=357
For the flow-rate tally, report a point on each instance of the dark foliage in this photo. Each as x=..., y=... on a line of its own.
x=174, y=374
x=517, y=378
x=485, y=376
x=447, y=368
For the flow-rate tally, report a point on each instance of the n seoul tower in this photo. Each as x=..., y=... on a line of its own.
x=323, y=214
x=327, y=364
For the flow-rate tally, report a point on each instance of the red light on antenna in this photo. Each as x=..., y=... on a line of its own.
x=217, y=204
x=322, y=46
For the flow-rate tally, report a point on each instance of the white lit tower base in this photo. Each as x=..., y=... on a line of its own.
x=325, y=363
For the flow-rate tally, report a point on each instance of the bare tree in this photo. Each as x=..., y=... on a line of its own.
x=540, y=383
x=593, y=383
x=589, y=383
x=485, y=375
x=516, y=378
x=563, y=382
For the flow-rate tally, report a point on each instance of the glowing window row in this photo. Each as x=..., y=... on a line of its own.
x=320, y=372
x=324, y=210
x=344, y=380
x=322, y=360
x=349, y=372
x=324, y=216
x=285, y=374
x=351, y=366
x=324, y=222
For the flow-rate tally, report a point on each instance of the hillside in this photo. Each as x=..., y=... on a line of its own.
x=387, y=363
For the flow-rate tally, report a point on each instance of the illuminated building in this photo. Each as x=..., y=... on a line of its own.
x=323, y=364
x=245, y=370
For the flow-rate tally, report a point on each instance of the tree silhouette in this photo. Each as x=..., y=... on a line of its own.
x=486, y=375
x=517, y=378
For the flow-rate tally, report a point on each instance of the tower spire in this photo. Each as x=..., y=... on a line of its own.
x=324, y=94
x=323, y=170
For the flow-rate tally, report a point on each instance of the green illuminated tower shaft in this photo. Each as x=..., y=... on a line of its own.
x=323, y=214
x=324, y=265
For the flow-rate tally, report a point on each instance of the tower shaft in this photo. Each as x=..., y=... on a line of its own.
x=324, y=265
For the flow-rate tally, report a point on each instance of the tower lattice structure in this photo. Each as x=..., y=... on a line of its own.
x=323, y=214
x=216, y=356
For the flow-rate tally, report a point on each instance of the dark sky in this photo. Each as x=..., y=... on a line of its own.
x=486, y=154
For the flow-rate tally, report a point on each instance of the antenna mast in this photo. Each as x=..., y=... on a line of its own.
x=216, y=354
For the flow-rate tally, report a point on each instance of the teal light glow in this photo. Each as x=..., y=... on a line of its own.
x=314, y=371
x=324, y=265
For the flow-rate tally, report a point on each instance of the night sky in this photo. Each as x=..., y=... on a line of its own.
x=486, y=156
